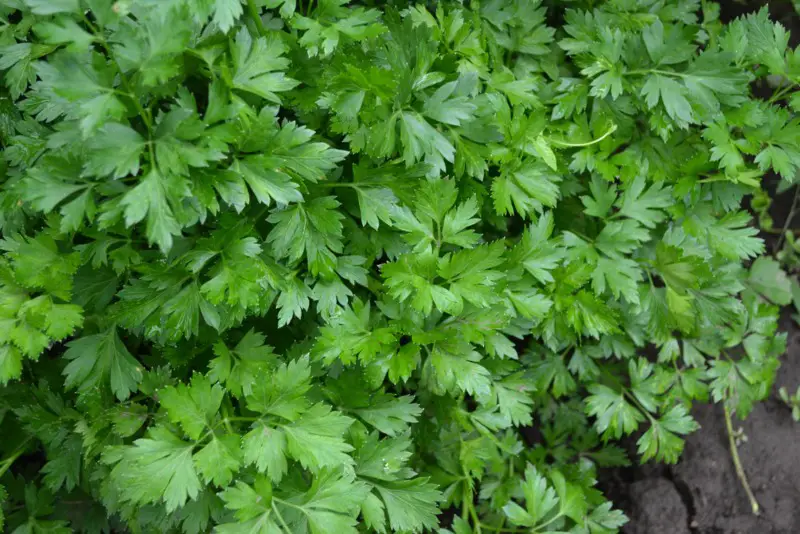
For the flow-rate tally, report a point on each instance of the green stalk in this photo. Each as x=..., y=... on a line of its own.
x=566, y=144
x=490, y=528
x=737, y=463
x=280, y=519
x=9, y=461
x=789, y=217
x=780, y=93
x=256, y=16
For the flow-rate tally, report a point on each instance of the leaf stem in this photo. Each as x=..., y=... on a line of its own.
x=777, y=231
x=290, y=505
x=558, y=142
x=240, y=418
x=227, y=420
x=337, y=184
x=9, y=461
x=712, y=179
x=281, y=521
x=777, y=95
x=582, y=236
x=468, y=508
x=788, y=221
x=657, y=71
x=475, y=520
x=256, y=16
x=737, y=462
x=151, y=151
x=500, y=528
x=549, y=521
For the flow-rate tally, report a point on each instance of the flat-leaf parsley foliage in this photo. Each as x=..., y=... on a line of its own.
x=329, y=267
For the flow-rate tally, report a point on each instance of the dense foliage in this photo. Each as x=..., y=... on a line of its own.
x=319, y=267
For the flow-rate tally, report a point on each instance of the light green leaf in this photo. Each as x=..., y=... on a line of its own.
x=769, y=280
x=154, y=469
x=101, y=358
x=193, y=406
x=150, y=199
x=258, y=65
x=316, y=439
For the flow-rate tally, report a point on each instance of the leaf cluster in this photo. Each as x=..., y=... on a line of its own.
x=331, y=267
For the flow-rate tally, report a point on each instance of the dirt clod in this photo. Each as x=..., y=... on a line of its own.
x=657, y=508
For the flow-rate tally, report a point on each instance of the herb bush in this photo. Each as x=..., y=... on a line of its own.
x=286, y=267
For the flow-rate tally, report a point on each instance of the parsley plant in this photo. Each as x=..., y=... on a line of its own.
x=324, y=267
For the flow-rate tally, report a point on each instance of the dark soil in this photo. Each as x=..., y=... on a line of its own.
x=701, y=494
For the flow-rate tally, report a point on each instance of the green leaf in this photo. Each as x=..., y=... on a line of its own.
x=219, y=460
x=46, y=7
x=603, y=517
x=376, y=205
x=769, y=280
x=156, y=468
x=456, y=222
x=422, y=141
x=603, y=197
x=252, y=507
x=240, y=368
x=64, y=31
x=312, y=230
x=38, y=263
x=330, y=506
x=101, y=358
x=323, y=37
x=410, y=504
x=455, y=372
x=621, y=277
x=258, y=66
x=287, y=7
x=150, y=198
x=671, y=94
x=115, y=151
x=540, y=500
x=661, y=440
x=193, y=406
x=450, y=103
x=350, y=335
x=268, y=185
x=539, y=255
x=284, y=394
x=645, y=206
x=316, y=439
x=266, y=448
x=404, y=362
x=733, y=238
x=10, y=363
x=226, y=13
x=615, y=415
x=391, y=416
x=545, y=152
x=724, y=148
x=525, y=191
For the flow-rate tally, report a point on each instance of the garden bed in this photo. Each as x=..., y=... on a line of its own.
x=701, y=493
